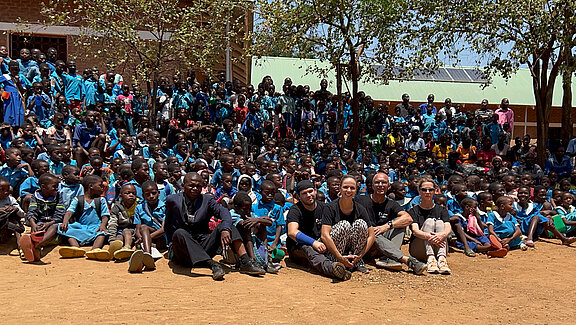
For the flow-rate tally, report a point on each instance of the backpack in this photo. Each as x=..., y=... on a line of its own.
x=80, y=208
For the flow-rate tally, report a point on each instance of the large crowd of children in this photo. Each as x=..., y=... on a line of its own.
x=85, y=164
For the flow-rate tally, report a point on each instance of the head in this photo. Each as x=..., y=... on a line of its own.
x=48, y=185
x=242, y=204
x=485, y=201
x=150, y=192
x=504, y=205
x=4, y=188
x=468, y=206
x=93, y=186
x=267, y=190
x=128, y=195
x=71, y=174
x=13, y=156
x=380, y=184
x=441, y=200
x=141, y=170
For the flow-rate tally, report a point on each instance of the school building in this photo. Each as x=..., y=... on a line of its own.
x=21, y=26
x=463, y=85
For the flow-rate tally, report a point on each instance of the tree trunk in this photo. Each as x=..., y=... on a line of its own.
x=354, y=134
x=567, y=127
x=340, y=101
x=153, y=108
x=543, y=87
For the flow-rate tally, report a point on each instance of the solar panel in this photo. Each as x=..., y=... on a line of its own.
x=476, y=75
x=441, y=75
x=459, y=75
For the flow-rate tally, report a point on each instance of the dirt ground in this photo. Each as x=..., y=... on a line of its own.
x=536, y=286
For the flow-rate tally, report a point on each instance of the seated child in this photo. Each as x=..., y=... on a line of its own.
x=253, y=230
x=532, y=223
x=46, y=210
x=10, y=216
x=30, y=184
x=70, y=187
x=85, y=222
x=121, y=224
x=566, y=210
x=160, y=178
x=149, y=221
x=399, y=191
x=503, y=225
x=14, y=170
x=224, y=193
x=267, y=207
x=245, y=185
x=469, y=234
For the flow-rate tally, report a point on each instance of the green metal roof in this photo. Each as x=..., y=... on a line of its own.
x=518, y=89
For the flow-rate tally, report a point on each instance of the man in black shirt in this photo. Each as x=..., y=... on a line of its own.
x=390, y=223
x=304, y=223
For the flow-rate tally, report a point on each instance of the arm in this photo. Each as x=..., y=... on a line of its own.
x=369, y=242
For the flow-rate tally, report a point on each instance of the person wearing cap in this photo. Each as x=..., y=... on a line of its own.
x=390, y=225
x=304, y=221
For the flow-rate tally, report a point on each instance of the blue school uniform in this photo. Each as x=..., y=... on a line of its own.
x=38, y=108
x=14, y=105
x=55, y=167
x=14, y=176
x=84, y=230
x=28, y=186
x=69, y=192
x=138, y=189
x=165, y=189
x=274, y=211
x=473, y=245
x=75, y=87
x=92, y=94
x=217, y=177
x=225, y=140
x=524, y=217
x=144, y=215
x=454, y=207
x=504, y=227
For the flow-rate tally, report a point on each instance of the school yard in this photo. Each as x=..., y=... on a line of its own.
x=536, y=286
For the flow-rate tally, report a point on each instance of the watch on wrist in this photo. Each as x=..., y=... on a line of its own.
x=390, y=224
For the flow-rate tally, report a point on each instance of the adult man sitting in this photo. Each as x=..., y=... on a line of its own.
x=304, y=221
x=192, y=242
x=390, y=223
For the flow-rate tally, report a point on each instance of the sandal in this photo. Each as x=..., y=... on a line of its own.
x=27, y=248
x=470, y=253
x=37, y=236
x=530, y=243
x=569, y=240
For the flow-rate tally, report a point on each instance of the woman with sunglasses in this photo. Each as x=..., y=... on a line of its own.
x=347, y=230
x=430, y=228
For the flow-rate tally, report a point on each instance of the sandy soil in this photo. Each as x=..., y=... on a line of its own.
x=525, y=287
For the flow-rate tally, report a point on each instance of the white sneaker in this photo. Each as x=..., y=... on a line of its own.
x=432, y=265
x=443, y=266
x=155, y=253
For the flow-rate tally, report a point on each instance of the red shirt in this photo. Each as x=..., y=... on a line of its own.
x=241, y=113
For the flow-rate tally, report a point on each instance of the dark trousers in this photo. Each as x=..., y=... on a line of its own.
x=306, y=255
x=192, y=249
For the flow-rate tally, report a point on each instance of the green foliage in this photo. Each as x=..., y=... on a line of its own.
x=152, y=36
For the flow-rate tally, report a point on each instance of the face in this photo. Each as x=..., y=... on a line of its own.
x=227, y=182
x=14, y=156
x=192, y=187
x=151, y=194
x=245, y=185
x=488, y=202
x=4, y=190
x=308, y=196
x=380, y=184
x=143, y=172
x=268, y=193
x=567, y=199
x=72, y=177
x=334, y=185
x=128, y=195
x=523, y=194
x=348, y=188
x=161, y=171
x=426, y=191
x=97, y=189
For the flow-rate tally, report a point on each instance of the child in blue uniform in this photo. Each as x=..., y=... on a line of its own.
x=89, y=226
x=502, y=224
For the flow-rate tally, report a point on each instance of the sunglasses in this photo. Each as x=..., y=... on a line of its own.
x=427, y=189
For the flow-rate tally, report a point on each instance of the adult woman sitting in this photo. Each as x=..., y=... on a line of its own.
x=347, y=230
x=430, y=228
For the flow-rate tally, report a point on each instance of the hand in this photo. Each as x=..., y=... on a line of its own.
x=33, y=227
x=101, y=228
x=319, y=246
x=272, y=247
x=64, y=226
x=436, y=240
x=505, y=241
x=348, y=260
x=225, y=238
x=41, y=227
x=381, y=229
x=22, y=165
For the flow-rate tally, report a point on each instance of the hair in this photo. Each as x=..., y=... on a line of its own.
x=90, y=180
x=483, y=196
x=36, y=164
x=226, y=175
x=137, y=164
x=240, y=198
x=125, y=173
x=494, y=186
x=425, y=180
x=173, y=167
x=69, y=169
x=268, y=184
x=468, y=201
x=96, y=159
x=503, y=199
x=4, y=180
x=149, y=184
x=439, y=197
x=47, y=178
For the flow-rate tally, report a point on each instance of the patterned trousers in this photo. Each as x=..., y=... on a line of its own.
x=349, y=238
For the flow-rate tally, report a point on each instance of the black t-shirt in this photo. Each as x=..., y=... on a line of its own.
x=334, y=215
x=420, y=215
x=309, y=222
x=380, y=213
